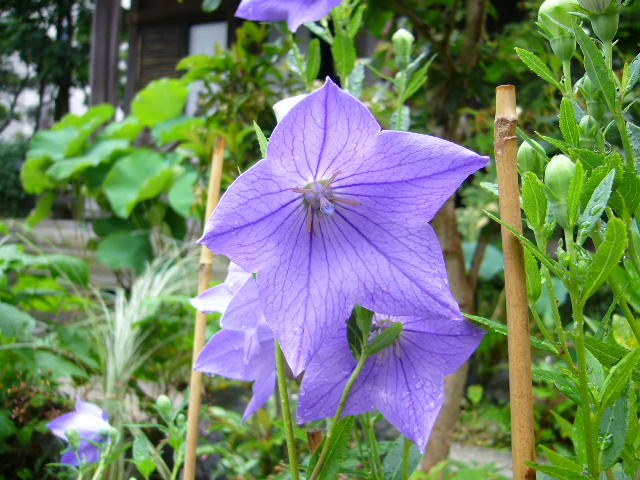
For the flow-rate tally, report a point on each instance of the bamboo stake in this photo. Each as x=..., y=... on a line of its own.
x=520, y=387
x=204, y=275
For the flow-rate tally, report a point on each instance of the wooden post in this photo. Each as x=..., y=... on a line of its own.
x=204, y=275
x=520, y=387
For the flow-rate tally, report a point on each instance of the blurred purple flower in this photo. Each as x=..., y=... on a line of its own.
x=90, y=423
x=244, y=348
x=405, y=381
x=295, y=12
x=216, y=299
x=337, y=215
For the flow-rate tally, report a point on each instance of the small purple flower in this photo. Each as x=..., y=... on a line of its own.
x=216, y=299
x=337, y=215
x=405, y=381
x=295, y=12
x=90, y=423
x=244, y=348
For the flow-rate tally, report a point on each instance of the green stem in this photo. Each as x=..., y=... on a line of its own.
x=583, y=385
x=557, y=320
x=626, y=141
x=177, y=463
x=373, y=447
x=628, y=314
x=286, y=413
x=566, y=70
x=607, y=50
x=336, y=417
x=406, y=446
x=541, y=326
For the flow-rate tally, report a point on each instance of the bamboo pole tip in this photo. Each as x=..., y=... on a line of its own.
x=506, y=101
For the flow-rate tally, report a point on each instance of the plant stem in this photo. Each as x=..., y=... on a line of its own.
x=628, y=314
x=566, y=70
x=607, y=50
x=406, y=446
x=373, y=447
x=564, y=347
x=541, y=326
x=624, y=136
x=336, y=417
x=286, y=413
x=583, y=384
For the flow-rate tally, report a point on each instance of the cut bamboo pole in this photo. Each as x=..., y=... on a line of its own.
x=520, y=387
x=204, y=276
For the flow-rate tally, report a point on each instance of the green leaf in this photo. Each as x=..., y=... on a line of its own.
x=59, y=366
x=138, y=176
x=209, y=6
x=338, y=448
x=384, y=338
x=634, y=74
x=568, y=125
x=502, y=330
x=534, y=201
x=537, y=66
x=344, y=54
x=7, y=427
x=559, y=144
x=181, y=194
x=73, y=268
x=159, y=101
x=608, y=354
x=125, y=250
x=101, y=151
x=634, y=138
x=15, y=323
x=127, y=129
x=596, y=205
x=613, y=430
x=393, y=460
x=417, y=79
x=143, y=455
x=561, y=460
x=617, y=379
x=558, y=473
x=561, y=382
x=262, y=140
x=587, y=157
x=356, y=21
x=42, y=209
x=176, y=129
x=533, y=278
x=607, y=256
x=313, y=62
x=596, y=66
x=51, y=143
x=33, y=177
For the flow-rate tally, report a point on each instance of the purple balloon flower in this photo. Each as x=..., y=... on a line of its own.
x=337, y=215
x=405, y=381
x=244, y=348
x=295, y=12
x=217, y=298
x=90, y=423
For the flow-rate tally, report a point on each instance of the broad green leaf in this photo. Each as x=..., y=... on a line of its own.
x=537, y=66
x=58, y=366
x=7, y=427
x=613, y=430
x=533, y=278
x=101, y=151
x=14, y=323
x=51, y=143
x=176, y=129
x=138, y=176
x=262, y=140
x=501, y=328
x=181, y=194
x=634, y=74
x=93, y=118
x=42, y=209
x=344, y=54
x=125, y=250
x=568, y=125
x=33, y=177
x=313, y=61
x=86, y=126
x=143, y=455
x=534, y=200
x=159, y=101
x=73, y=268
x=596, y=66
x=127, y=129
x=596, y=205
x=618, y=379
x=607, y=256
x=393, y=460
x=338, y=448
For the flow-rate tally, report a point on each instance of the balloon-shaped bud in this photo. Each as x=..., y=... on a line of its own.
x=553, y=15
x=557, y=177
x=402, y=43
x=588, y=132
x=529, y=158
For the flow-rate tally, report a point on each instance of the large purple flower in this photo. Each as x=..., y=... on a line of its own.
x=90, y=423
x=337, y=215
x=244, y=348
x=295, y=12
x=405, y=381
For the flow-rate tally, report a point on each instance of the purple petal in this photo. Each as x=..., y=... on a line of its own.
x=408, y=397
x=224, y=355
x=327, y=131
x=407, y=176
x=296, y=12
x=90, y=409
x=325, y=379
x=86, y=425
x=214, y=299
x=264, y=385
x=244, y=311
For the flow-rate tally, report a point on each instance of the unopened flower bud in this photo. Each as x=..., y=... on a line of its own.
x=402, y=43
x=605, y=25
x=529, y=158
x=282, y=107
x=588, y=132
x=164, y=405
x=557, y=177
x=595, y=6
x=550, y=15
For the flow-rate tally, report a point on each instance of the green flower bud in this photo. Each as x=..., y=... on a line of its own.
x=557, y=177
x=402, y=43
x=529, y=158
x=588, y=87
x=605, y=25
x=164, y=405
x=588, y=132
x=552, y=13
x=595, y=6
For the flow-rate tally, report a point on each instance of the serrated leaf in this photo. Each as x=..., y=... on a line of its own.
x=533, y=278
x=559, y=144
x=560, y=460
x=394, y=458
x=537, y=66
x=534, y=201
x=262, y=140
x=607, y=256
x=558, y=473
x=356, y=21
x=416, y=81
x=560, y=381
x=596, y=205
x=344, y=54
x=617, y=379
x=568, y=125
x=14, y=323
x=313, y=62
x=338, y=447
x=589, y=158
x=143, y=456
x=613, y=430
x=634, y=138
x=634, y=74
x=596, y=66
